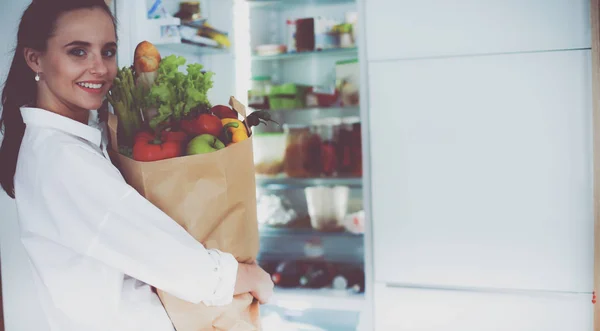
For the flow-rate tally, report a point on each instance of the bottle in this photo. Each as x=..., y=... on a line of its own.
x=287, y=274
x=291, y=35
x=350, y=278
x=317, y=275
x=356, y=280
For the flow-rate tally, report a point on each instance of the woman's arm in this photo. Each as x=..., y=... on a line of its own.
x=100, y=216
x=252, y=278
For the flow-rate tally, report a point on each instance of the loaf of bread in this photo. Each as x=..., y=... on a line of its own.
x=145, y=62
x=146, y=58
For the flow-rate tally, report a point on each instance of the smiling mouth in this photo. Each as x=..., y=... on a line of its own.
x=93, y=86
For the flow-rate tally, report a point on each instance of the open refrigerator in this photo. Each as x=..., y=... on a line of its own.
x=298, y=59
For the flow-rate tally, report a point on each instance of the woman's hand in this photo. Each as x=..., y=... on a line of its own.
x=251, y=278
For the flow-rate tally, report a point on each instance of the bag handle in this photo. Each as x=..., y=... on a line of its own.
x=240, y=109
x=237, y=106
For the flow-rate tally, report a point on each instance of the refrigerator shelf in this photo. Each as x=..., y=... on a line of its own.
x=287, y=183
x=272, y=231
x=190, y=47
x=307, y=115
x=278, y=244
x=298, y=55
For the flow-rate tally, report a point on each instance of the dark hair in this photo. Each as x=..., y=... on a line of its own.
x=37, y=26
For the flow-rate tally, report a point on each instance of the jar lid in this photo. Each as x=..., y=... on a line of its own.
x=342, y=62
x=351, y=120
x=328, y=121
x=261, y=78
x=287, y=126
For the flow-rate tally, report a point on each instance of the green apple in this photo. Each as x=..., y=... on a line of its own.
x=204, y=143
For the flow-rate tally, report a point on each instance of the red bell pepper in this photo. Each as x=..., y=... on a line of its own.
x=148, y=148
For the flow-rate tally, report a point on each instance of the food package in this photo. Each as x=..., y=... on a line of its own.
x=274, y=210
x=213, y=197
x=348, y=81
x=327, y=206
x=269, y=152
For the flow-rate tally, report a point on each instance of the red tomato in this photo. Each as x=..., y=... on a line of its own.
x=146, y=149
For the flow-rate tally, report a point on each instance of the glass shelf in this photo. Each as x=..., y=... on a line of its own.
x=281, y=243
x=274, y=231
x=283, y=182
x=263, y=3
x=297, y=55
x=190, y=47
x=307, y=115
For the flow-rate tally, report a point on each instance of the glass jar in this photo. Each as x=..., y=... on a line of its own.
x=294, y=164
x=328, y=130
x=188, y=11
x=347, y=146
x=356, y=150
x=258, y=94
x=313, y=153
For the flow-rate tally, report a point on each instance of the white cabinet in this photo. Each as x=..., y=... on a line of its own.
x=417, y=28
x=403, y=309
x=482, y=171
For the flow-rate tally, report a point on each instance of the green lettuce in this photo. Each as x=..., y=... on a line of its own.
x=174, y=93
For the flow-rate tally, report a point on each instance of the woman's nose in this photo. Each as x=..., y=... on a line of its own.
x=98, y=67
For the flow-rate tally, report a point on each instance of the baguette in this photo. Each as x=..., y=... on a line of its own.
x=147, y=57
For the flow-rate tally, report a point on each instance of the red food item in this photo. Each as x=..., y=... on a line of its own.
x=224, y=112
x=146, y=148
x=345, y=150
x=204, y=123
x=329, y=159
x=313, y=162
x=179, y=136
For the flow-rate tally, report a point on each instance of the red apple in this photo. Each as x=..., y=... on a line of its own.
x=205, y=123
x=224, y=112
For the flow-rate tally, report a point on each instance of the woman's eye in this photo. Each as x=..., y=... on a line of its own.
x=77, y=52
x=109, y=53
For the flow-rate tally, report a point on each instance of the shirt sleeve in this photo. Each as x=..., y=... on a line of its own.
x=96, y=213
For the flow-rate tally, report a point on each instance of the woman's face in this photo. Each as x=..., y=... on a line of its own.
x=80, y=63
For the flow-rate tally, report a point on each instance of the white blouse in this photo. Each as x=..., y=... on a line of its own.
x=95, y=244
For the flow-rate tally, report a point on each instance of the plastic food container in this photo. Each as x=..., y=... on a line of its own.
x=271, y=49
x=269, y=152
x=327, y=206
x=288, y=96
x=296, y=147
x=348, y=81
x=258, y=94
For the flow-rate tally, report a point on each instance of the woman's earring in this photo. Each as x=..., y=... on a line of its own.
x=37, y=76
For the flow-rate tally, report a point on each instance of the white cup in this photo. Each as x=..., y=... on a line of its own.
x=327, y=206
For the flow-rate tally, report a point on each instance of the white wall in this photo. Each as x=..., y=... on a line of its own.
x=21, y=308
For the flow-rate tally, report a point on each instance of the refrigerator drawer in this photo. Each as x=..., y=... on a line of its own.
x=421, y=309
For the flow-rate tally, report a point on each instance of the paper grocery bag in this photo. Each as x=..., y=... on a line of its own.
x=212, y=196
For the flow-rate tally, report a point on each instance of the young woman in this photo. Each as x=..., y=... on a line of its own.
x=96, y=247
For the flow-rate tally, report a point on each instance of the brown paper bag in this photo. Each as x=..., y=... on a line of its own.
x=212, y=196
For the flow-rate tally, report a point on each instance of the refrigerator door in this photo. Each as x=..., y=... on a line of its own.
x=482, y=171
x=411, y=29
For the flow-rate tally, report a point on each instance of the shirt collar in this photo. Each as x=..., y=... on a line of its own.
x=44, y=118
